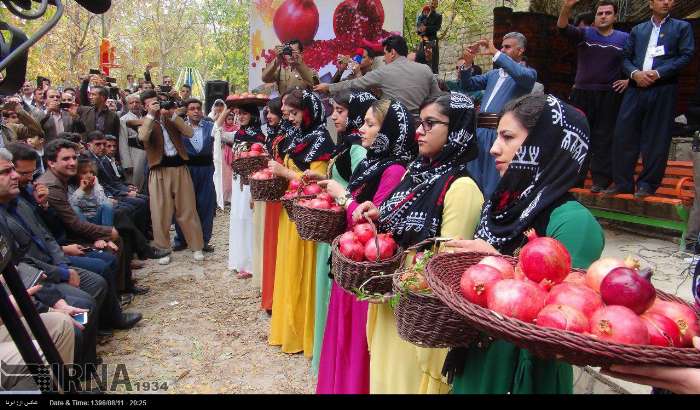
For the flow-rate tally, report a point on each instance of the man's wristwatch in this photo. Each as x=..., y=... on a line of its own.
x=344, y=201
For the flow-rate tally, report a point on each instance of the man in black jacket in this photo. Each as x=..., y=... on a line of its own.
x=97, y=116
x=428, y=23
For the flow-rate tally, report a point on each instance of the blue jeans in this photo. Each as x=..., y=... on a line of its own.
x=104, y=217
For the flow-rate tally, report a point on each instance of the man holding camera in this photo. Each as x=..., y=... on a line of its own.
x=288, y=70
x=60, y=117
x=428, y=24
x=169, y=181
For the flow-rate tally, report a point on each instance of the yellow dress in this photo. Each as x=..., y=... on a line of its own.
x=293, y=300
x=259, y=242
x=397, y=366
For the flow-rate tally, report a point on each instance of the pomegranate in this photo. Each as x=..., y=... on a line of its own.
x=386, y=250
x=353, y=251
x=515, y=298
x=579, y=297
x=501, y=264
x=544, y=259
x=629, y=288
x=336, y=208
x=347, y=237
x=319, y=204
x=257, y=147
x=662, y=330
x=364, y=232
x=357, y=20
x=325, y=196
x=683, y=315
x=477, y=280
x=619, y=324
x=600, y=268
x=563, y=317
x=296, y=19
x=243, y=154
x=576, y=278
x=312, y=189
x=294, y=185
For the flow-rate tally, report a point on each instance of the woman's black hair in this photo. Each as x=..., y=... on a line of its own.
x=443, y=103
x=275, y=106
x=527, y=109
x=294, y=99
x=343, y=98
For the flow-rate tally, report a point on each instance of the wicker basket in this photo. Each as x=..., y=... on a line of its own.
x=371, y=277
x=443, y=275
x=268, y=190
x=289, y=204
x=424, y=320
x=320, y=225
x=247, y=166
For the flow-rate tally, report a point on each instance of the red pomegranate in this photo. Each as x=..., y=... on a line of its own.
x=619, y=324
x=477, y=280
x=563, y=317
x=363, y=232
x=544, y=259
x=294, y=185
x=325, y=196
x=353, y=251
x=257, y=147
x=630, y=288
x=600, y=268
x=501, y=264
x=386, y=250
x=662, y=330
x=579, y=297
x=296, y=19
x=312, y=189
x=683, y=315
x=357, y=20
x=319, y=204
x=516, y=298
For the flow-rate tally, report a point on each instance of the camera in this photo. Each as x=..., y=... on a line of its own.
x=166, y=101
x=287, y=49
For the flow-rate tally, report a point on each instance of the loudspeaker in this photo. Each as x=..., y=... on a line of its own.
x=214, y=90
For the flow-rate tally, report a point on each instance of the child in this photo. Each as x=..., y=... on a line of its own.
x=87, y=197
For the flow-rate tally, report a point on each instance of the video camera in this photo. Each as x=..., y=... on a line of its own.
x=167, y=102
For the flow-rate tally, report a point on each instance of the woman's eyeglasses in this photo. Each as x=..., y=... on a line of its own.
x=428, y=124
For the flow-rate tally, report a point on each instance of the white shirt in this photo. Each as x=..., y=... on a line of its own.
x=58, y=122
x=502, y=77
x=168, y=146
x=653, y=43
x=197, y=139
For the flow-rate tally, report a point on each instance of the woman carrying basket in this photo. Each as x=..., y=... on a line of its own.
x=540, y=150
x=310, y=148
x=388, y=135
x=436, y=197
x=349, y=109
x=240, y=238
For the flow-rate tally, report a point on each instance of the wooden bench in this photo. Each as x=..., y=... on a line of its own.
x=668, y=208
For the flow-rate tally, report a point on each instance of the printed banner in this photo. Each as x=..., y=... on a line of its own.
x=327, y=28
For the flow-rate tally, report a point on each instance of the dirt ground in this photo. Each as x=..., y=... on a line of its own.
x=203, y=331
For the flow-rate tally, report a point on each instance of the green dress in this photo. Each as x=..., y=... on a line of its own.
x=504, y=368
x=323, y=281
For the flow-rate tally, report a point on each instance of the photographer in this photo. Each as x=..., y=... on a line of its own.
x=288, y=70
x=60, y=117
x=361, y=64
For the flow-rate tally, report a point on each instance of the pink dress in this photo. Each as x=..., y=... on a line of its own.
x=344, y=365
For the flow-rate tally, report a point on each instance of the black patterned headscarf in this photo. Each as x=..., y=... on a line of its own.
x=311, y=142
x=544, y=169
x=395, y=144
x=252, y=132
x=358, y=104
x=413, y=212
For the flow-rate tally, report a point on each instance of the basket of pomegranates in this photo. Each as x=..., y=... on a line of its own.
x=422, y=318
x=248, y=159
x=319, y=219
x=298, y=190
x=265, y=186
x=363, y=261
x=610, y=314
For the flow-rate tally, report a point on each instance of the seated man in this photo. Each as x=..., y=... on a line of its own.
x=39, y=249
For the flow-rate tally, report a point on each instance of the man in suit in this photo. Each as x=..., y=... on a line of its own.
x=169, y=182
x=58, y=120
x=98, y=116
x=428, y=24
x=126, y=195
x=409, y=82
x=655, y=53
x=509, y=80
